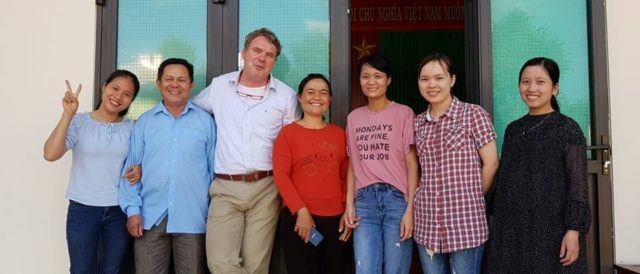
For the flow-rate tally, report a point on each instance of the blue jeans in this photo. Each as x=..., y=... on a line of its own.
x=377, y=244
x=90, y=228
x=467, y=261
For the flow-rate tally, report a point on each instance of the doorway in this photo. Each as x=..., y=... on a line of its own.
x=405, y=31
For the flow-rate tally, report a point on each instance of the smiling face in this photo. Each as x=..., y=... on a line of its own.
x=315, y=98
x=117, y=95
x=435, y=83
x=536, y=89
x=259, y=58
x=373, y=82
x=175, y=85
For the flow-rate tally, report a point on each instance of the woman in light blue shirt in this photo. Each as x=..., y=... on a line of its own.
x=99, y=141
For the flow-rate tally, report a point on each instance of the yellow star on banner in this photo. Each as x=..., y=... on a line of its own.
x=364, y=49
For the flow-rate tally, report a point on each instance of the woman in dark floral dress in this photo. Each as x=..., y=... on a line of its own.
x=541, y=210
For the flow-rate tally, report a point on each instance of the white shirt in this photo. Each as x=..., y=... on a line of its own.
x=245, y=132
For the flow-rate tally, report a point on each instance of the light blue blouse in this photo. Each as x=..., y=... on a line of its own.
x=99, y=151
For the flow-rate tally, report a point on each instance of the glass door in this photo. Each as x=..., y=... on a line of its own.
x=572, y=33
x=137, y=35
x=302, y=28
x=150, y=32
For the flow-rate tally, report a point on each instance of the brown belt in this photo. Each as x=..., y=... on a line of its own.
x=249, y=177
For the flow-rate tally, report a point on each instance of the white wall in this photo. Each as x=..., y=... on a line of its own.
x=624, y=68
x=42, y=44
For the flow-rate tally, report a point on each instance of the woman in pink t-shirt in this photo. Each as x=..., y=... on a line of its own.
x=383, y=175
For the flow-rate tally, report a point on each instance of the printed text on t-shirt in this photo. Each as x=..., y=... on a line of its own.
x=373, y=142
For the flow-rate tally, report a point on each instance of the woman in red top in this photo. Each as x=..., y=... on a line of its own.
x=309, y=165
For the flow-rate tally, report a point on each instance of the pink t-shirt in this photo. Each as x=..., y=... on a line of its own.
x=378, y=142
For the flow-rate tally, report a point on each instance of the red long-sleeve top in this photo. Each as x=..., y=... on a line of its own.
x=310, y=167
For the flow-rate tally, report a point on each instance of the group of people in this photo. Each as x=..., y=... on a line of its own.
x=212, y=179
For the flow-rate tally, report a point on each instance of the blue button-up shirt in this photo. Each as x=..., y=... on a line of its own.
x=176, y=155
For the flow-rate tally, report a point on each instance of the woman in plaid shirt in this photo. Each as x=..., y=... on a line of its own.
x=455, y=142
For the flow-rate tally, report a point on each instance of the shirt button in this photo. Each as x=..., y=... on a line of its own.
x=173, y=161
x=175, y=139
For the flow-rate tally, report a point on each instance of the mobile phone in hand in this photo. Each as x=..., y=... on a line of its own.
x=316, y=237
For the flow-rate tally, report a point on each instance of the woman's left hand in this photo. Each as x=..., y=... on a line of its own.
x=406, y=224
x=570, y=247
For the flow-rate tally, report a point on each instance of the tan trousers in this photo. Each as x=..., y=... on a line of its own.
x=241, y=226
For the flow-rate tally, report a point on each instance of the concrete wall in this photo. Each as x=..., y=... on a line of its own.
x=624, y=92
x=42, y=44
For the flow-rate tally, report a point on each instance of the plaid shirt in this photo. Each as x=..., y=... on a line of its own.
x=449, y=204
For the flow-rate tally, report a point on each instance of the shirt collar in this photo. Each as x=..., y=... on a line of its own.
x=161, y=108
x=235, y=81
x=454, y=110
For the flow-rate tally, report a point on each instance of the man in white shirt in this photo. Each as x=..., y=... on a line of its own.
x=250, y=107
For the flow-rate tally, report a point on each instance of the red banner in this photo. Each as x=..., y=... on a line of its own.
x=378, y=15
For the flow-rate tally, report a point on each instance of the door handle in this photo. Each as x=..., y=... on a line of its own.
x=605, y=167
x=605, y=149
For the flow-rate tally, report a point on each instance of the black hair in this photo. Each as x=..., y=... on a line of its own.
x=310, y=77
x=443, y=59
x=378, y=62
x=126, y=74
x=175, y=61
x=551, y=67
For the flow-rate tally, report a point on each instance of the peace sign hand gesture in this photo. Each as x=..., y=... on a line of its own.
x=70, y=100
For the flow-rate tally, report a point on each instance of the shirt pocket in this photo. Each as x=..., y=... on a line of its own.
x=194, y=142
x=422, y=144
x=270, y=117
x=455, y=138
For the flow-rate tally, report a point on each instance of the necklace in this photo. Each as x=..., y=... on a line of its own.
x=536, y=125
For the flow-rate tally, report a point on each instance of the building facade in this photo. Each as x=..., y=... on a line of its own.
x=83, y=41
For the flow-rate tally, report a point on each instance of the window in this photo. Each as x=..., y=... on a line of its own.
x=522, y=30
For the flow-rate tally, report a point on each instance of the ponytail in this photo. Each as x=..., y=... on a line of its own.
x=554, y=103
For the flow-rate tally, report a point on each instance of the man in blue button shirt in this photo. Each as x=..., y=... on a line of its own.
x=174, y=143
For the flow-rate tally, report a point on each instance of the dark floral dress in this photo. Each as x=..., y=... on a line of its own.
x=541, y=193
